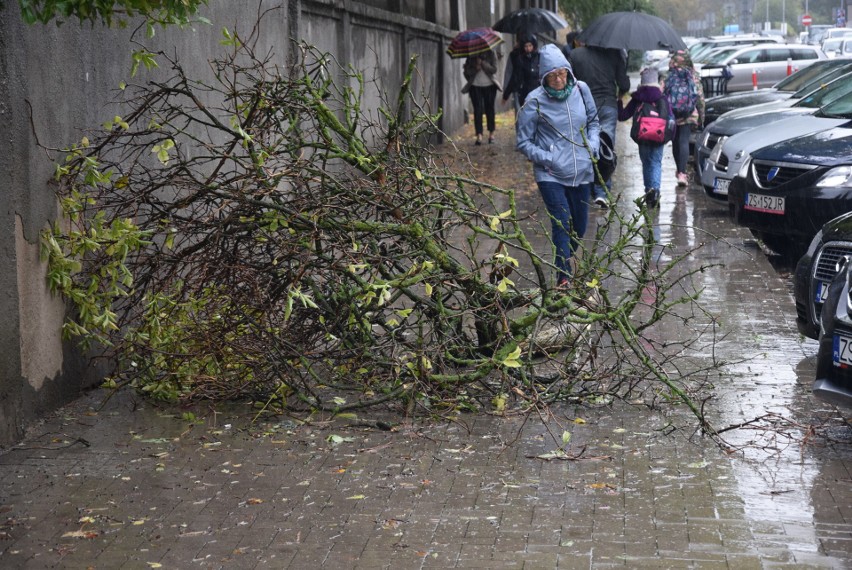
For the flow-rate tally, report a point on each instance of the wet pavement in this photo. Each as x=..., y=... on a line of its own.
x=127, y=485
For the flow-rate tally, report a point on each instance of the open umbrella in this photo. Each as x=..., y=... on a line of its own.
x=530, y=21
x=473, y=41
x=631, y=30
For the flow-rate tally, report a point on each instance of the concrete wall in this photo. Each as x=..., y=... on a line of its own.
x=58, y=81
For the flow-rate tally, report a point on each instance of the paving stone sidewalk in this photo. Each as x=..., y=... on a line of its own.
x=125, y=484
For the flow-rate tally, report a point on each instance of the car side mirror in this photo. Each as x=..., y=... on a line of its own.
x=734, y=61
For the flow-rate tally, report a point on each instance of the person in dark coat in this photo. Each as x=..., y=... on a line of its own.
x=524, y=76
x=605, y=72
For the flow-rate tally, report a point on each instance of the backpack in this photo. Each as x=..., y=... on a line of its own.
x=650, y=123
x=681, y=92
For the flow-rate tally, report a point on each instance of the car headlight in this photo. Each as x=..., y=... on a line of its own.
x=705, y=138
x=743, y=173
x=717, y=150
x=815, y=243
x=837, y=176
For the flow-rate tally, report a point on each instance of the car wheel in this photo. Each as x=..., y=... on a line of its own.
x=782, y=245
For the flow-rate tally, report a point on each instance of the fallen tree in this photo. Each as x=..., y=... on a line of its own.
x=263, y=236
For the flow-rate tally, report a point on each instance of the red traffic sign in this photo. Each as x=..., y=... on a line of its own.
x=806, y=20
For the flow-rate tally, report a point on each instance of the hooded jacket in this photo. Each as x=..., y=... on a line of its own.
x=649, y=94
x=549, y=131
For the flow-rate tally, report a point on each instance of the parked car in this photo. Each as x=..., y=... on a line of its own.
x=700, y=49
x=786, y=191
x=653, y=56
x=833, y=33
x=728, y=142
x=833, y=382
x=816, y=33
x=823, y=70
x=837, y=47
x=769, y=63
x=824, y=308
x=705, y=45
x=816, y=270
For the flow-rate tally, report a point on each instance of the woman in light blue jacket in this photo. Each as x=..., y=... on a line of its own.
x=558, y=131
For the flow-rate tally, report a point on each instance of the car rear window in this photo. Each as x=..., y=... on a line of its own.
x=803, y=53
x=779, y=55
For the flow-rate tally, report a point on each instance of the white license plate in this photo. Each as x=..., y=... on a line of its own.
x=842, y=353
x=721, y=186
x=764, y=203
x=821, y=292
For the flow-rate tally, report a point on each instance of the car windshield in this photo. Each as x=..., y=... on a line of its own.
x=814, y=71
x=701, y=49
x=710, y=50
x=719, y=56
x=840, y=108
x=822, y=80
x=831, y=45
x=827, y=93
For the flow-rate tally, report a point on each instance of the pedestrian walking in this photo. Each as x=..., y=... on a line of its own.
x=557, y=130
x=570, y=43
x=524, y=62
x=648, y=101
x=482, y=87
x=605, y=72
x=683, y=89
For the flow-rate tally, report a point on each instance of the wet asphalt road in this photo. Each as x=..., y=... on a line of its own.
x=148, y=490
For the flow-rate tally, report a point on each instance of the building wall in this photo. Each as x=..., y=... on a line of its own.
x=58, y=81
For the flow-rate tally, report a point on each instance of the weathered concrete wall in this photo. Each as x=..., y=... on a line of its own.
x=56, y=82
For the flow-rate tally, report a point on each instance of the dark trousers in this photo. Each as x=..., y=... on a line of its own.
x=483, y=104
x=680, y=147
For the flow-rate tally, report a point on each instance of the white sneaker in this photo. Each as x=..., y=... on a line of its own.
x=602, y=202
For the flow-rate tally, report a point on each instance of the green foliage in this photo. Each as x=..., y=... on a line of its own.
x=261, y=236
x=580, y=13
x=109, y=12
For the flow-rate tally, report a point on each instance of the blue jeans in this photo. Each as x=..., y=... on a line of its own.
x=651, y=156
x=568, y=208
x=608, y=118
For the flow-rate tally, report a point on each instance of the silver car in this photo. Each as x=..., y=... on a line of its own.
x=765, y=64
x=729, y=141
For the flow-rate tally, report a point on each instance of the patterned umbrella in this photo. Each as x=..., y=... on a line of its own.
x=473, y=41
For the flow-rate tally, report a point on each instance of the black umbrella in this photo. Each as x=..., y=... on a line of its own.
x=631, y=30
x=530, y=21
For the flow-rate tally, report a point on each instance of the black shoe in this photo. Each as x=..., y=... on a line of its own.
x=652, y=197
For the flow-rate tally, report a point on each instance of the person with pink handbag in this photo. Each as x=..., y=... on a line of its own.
x=653, y=123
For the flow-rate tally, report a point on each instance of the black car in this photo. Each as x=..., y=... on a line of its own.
x=833, y=382
x=816, y=270
x=786, y=191
x=819, y=71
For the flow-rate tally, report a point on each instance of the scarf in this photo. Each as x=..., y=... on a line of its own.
x=559, y=94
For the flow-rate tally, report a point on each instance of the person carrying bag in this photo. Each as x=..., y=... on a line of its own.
x=653, y=125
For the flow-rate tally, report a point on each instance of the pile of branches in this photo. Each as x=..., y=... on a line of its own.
x=264, y=236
